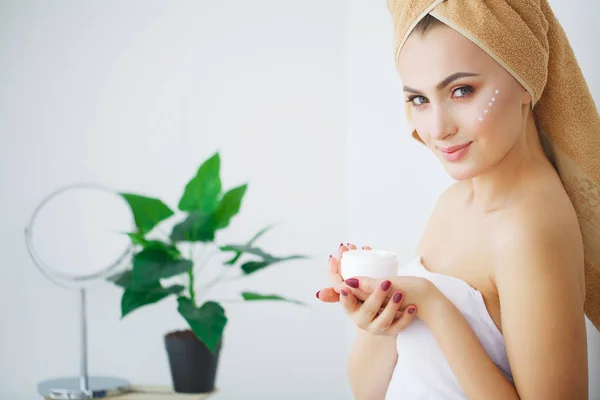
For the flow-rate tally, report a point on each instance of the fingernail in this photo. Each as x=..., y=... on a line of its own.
x=397, y=297
x=318, y=294
x=348, y=244
x=343, y=292
x=352, y=282
x=330, y=257
x=362, y=247
x=341, y=244
x=385, y=285
x=411, y=310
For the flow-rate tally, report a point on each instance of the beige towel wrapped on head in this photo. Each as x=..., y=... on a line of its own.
x=525, y=38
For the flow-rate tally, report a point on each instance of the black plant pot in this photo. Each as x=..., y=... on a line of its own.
x=193, y=366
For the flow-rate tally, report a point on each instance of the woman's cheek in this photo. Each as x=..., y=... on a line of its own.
x=489, y=106
x=481, y=116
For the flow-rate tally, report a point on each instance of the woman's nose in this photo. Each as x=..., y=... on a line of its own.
x=442, y=123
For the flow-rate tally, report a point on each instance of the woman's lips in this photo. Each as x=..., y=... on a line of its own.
x=455, y=153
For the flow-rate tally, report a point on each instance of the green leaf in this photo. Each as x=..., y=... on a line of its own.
x=207, y=322
x=249, y=244
x=259, y=234
x=240, y=248
x=229, y=206
x=202, y=191
x=122, y=279
x=258, y=252
x=140, y=240
x=147, y=211
x=151, y=265
x=197, y=227
x=135, y=298
x=253, y=266
x=249, y=296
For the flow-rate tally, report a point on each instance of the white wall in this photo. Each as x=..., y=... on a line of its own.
x=157, y=87
x=401, y=178
x=135, y=95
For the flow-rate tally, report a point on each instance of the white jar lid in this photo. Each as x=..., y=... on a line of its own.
x=370, y=256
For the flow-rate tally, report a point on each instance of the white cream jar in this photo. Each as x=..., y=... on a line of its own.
x=378, y=264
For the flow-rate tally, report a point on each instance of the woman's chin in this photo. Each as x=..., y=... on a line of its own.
x=460, y=172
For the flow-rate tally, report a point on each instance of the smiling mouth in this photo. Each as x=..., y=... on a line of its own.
x=452, y=149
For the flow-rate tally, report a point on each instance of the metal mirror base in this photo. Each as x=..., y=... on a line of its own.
x=70, y=388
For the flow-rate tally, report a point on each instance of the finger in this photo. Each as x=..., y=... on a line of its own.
x=359, y=294
x=349, y=303
x=361, y=286
x=369, y=309
x=351, y=246
x=362, y=283
x=366, y=248
x=334, y=274
x=341, y=251
x=385, y=319
x=397, y=315
x=328, y=295
x=401, y=323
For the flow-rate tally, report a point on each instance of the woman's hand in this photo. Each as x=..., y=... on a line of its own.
x=373, y=315
x=370, y=302
x=419, y=293
x=332, y=294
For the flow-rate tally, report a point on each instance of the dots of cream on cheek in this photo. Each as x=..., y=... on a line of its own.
x=490, y=105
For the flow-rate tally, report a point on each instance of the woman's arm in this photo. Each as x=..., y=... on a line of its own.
x=476, y=373
x=541, y=300
x=371, y=364
x=543, y=322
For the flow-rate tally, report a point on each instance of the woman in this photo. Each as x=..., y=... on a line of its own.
x=492, y=306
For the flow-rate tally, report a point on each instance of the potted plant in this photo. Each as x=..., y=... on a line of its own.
x=160, y=268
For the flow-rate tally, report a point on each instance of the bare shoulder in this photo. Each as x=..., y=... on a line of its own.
x=542, y=226
x=545, y=214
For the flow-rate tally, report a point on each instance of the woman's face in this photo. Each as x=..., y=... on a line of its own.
x=458, y=95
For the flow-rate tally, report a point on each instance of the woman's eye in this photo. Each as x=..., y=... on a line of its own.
x=463, y=91
x=417, y=101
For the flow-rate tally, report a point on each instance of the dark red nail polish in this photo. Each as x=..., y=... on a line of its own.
x=352, y=282
x=412, y=310
x=318, y=294
x=385, y=285
x=343, y=292
x=330, y=257
x=397, y=297
x=341, y=244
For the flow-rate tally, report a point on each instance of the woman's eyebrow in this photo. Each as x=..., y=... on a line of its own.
x=448, y=80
